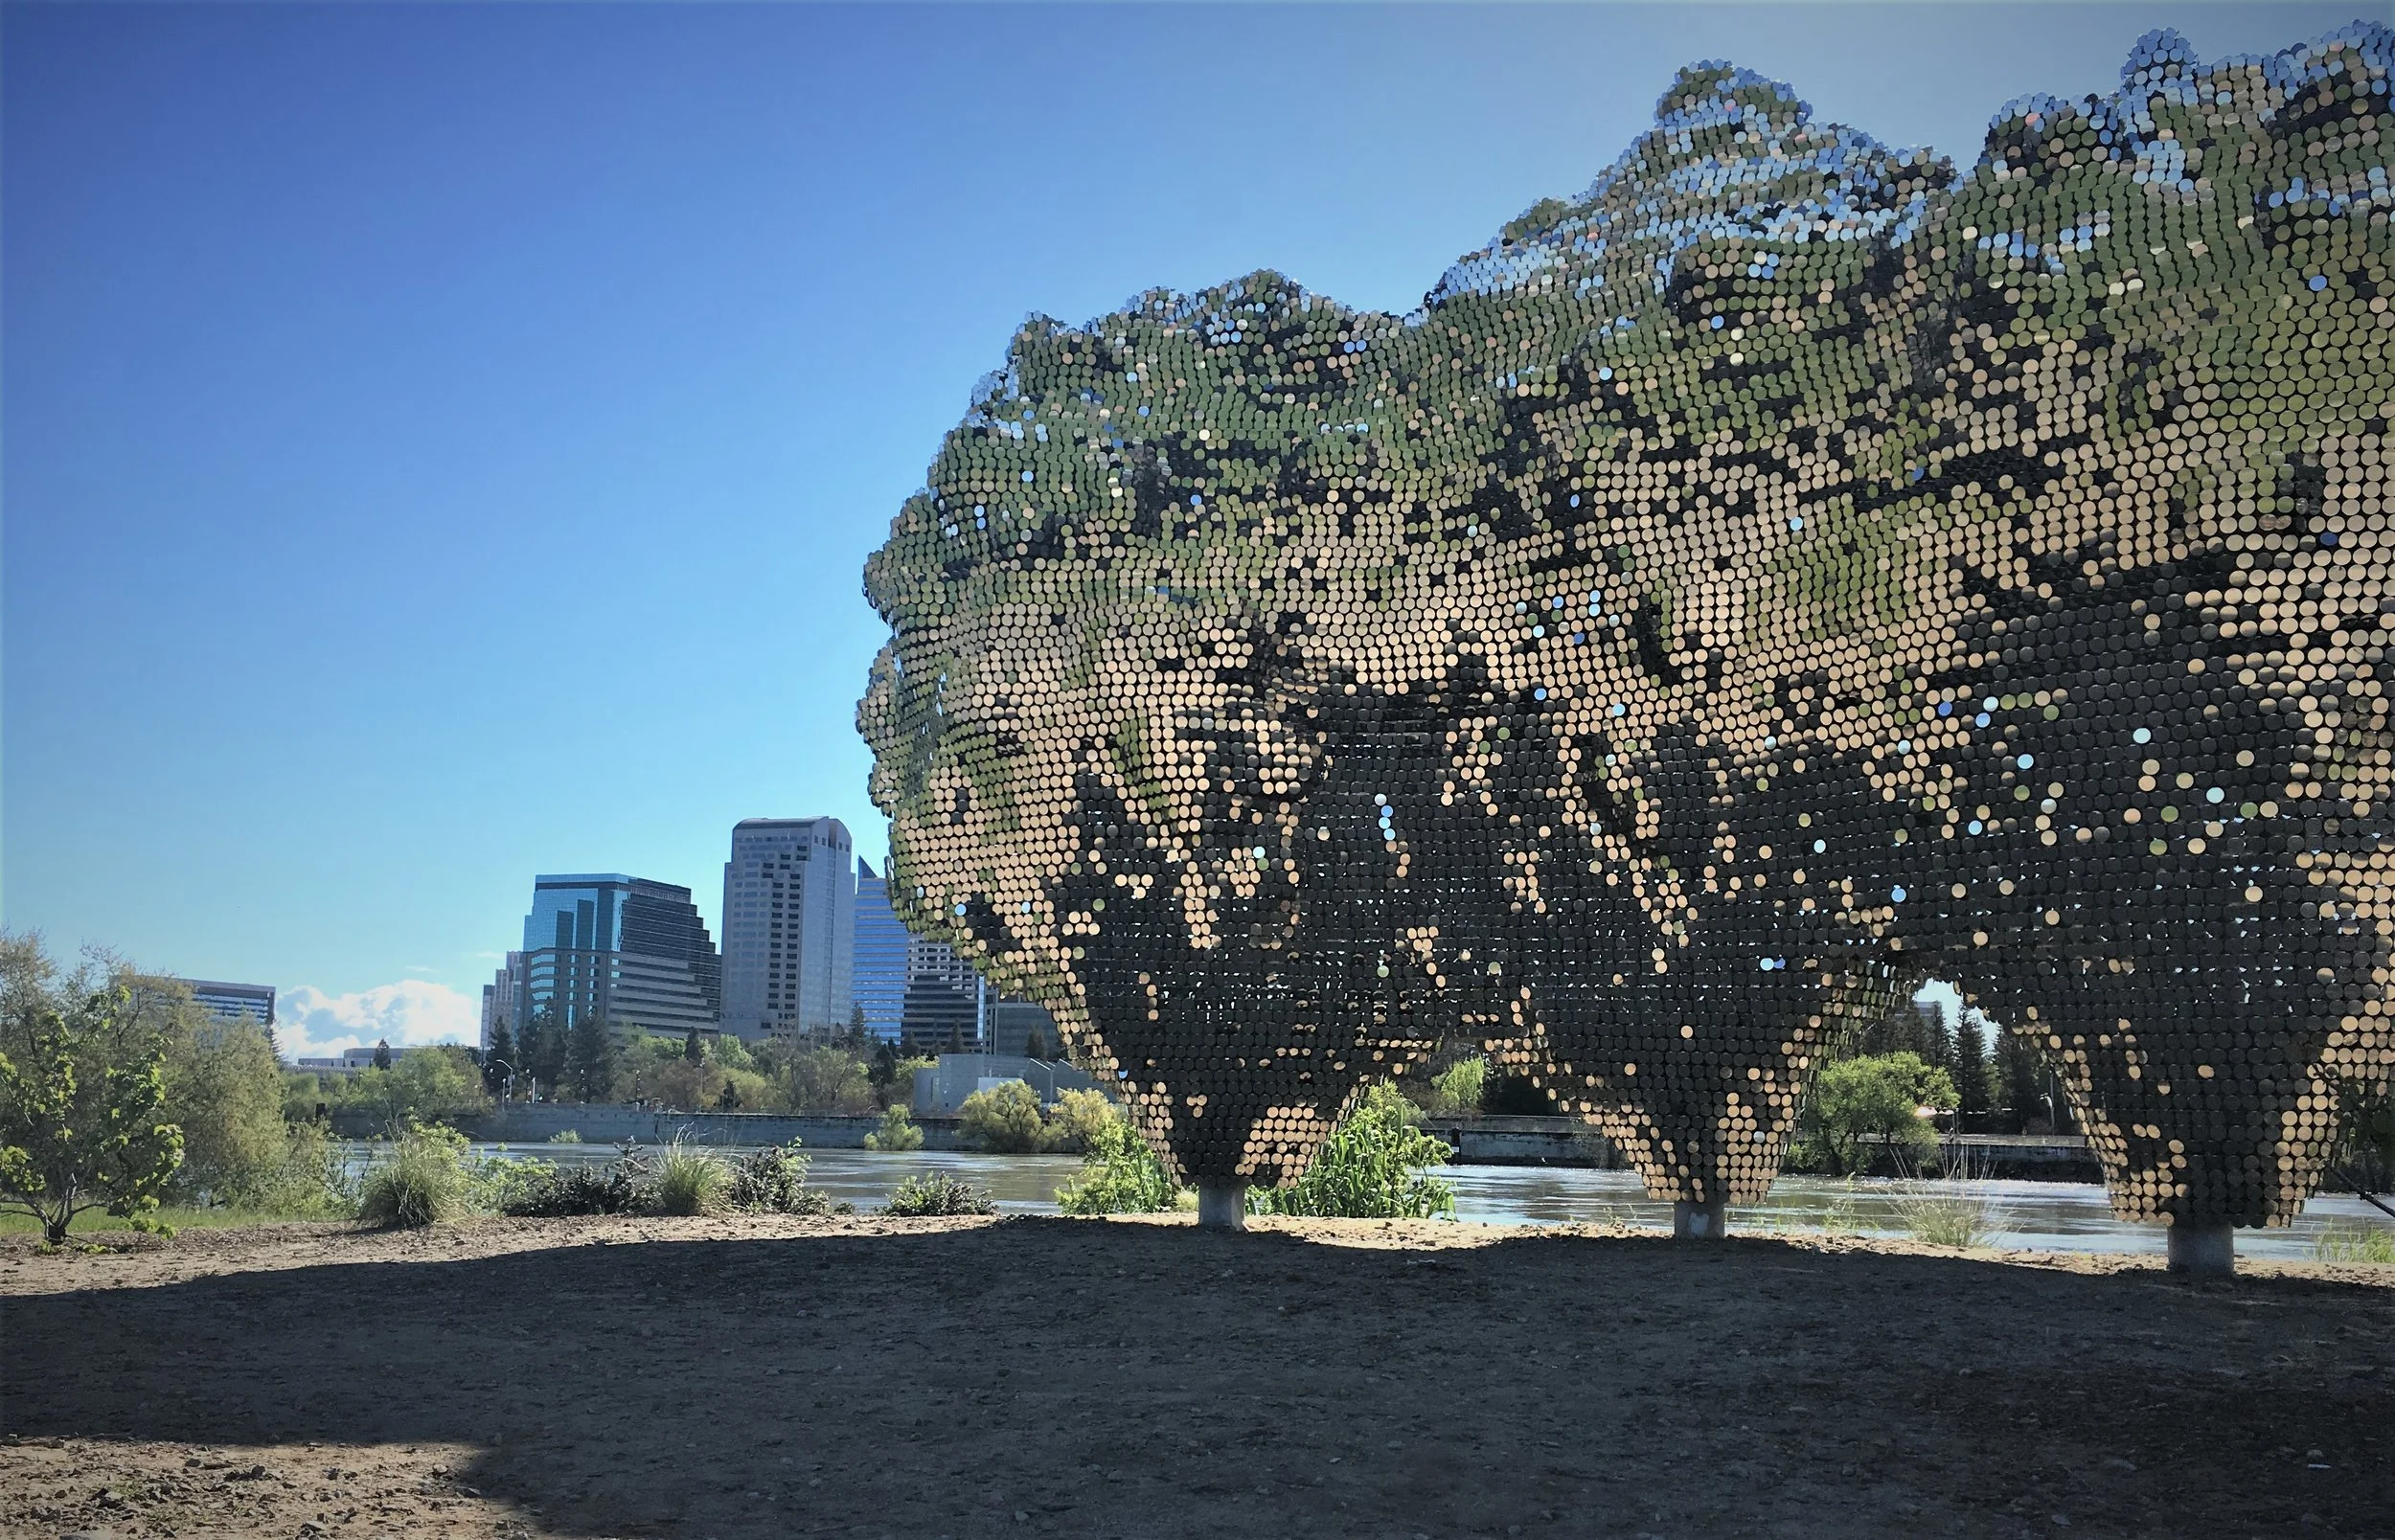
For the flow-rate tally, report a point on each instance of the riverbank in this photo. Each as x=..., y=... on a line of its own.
x=755, y=1378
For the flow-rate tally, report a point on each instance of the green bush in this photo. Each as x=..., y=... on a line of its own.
x=690, y=1181
x=1371, y=1168
x=1004, y=1119
x=423, y=1183
x=1878, y=1095
x=898, y=1132
x=936, y=1195
x=773, y=1180
x=1119, y=1174
x=626, y=1184
x=565, y=1136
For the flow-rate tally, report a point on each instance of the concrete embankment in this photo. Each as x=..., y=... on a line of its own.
x=1475, y=1141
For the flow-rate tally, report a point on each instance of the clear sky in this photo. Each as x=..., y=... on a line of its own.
x=440, y=441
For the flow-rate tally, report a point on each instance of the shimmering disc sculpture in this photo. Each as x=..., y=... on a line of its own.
x=1783, y=573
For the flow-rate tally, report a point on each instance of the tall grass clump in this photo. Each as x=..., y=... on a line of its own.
x=1373, y=1166
x=690, y=1181
x=423, y=1183
x=1944, y=1212
x=1119, y=1174
x=936, y=1195
x=2356, y=1243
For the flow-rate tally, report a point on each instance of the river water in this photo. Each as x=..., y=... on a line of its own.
x=2025, y=1215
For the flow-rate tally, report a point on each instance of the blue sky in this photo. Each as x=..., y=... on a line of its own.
x=440, y=441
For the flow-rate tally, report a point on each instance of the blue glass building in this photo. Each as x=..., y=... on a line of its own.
x=631, y=952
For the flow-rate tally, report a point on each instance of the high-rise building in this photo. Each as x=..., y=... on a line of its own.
x=877, y=977
x=500, y=997
x=789, y=926
x=631, y=952
x=232, y=1004
x=943, y=1012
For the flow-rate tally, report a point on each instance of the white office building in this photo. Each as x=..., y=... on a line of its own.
x=789, y=926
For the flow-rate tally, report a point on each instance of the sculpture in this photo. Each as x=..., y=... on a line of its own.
x=1784, y=572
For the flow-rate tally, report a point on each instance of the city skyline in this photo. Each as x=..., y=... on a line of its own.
x=304, y=378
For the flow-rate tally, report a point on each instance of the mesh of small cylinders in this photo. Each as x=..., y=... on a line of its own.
x=1786, y=571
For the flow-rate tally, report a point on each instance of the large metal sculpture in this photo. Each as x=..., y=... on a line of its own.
x=1780, y=573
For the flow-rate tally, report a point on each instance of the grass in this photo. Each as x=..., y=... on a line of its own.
x=179, y=1219
x=2361, y=1242
x=690, y=1181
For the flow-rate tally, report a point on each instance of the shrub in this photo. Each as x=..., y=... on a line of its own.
x=423, y=1183
x=690, y=1181
x=1004, y=1119
x=565, y=1136
x=773, y=1180
x=626, y=1184
x=1076, y=1119
x=898, y=1132
x=935, y=1194
x=1119, y=1174
x=1371, y=1168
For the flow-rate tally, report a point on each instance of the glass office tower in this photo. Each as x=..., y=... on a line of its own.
x=631, y=952
x=879, y=975
x=790, y=927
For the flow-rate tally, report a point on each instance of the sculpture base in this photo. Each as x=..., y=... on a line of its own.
x=1699, y=1221
x=2204, y=1250
x=1222, y=1204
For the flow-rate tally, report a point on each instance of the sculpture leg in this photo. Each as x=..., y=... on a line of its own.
x=1222, y=1204
x=1699, y=1221
x=2204, y=1250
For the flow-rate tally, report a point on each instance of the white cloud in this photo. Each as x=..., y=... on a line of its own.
x=312, y=1024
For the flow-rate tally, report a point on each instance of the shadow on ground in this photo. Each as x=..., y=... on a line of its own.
x=1045, y=1375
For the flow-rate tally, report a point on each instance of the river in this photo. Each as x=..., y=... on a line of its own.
x=2024, y=1215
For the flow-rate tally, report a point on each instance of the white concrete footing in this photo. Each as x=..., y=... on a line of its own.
x=1222, y=1204
x=1699, y=1221
x=2204, y=1250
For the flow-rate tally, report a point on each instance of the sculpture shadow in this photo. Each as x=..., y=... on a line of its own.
x=1139, y=1380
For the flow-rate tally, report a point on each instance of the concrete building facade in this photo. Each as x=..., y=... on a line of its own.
x=790, y=927
x=500, y=997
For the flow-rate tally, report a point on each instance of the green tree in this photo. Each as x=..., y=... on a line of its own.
x=1879, y=1094
x=691, y=1049
x=1034, y=1046
x=1455, y=1091
x=1004, y=1119
x=498, y=1060
x=1373, y=1166
x=424, y=1085
x=591, y=1058
x=544, y=1048
x=826, y=1079
x=1076, y=1119
x=83, y=1090
x=2018, y=1073
x=382, y=1053
x=224, y=1090
x=1974, y=1091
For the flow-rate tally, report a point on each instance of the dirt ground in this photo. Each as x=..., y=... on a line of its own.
x=965, y=1378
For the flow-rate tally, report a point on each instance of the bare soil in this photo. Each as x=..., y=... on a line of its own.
x=968, y=1378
